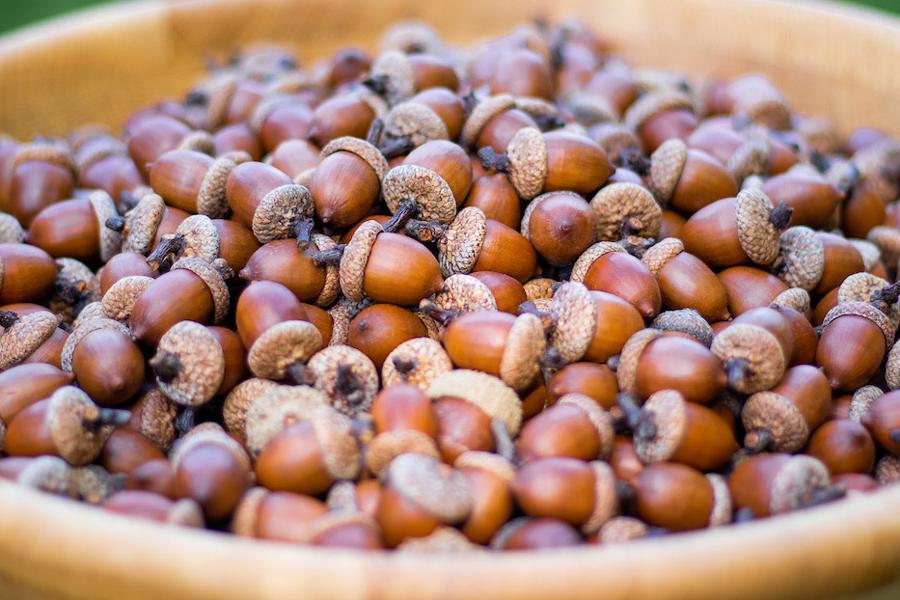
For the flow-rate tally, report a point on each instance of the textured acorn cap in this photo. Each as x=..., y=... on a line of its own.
x=802, y=257
x=574, y=314
x=200, y=363
x=756, y=233
x=68, y=410
x=431, y=192
x=599, y=417
x=652, y=103
x=750, y=158
x=201, y=239
x=275, y=409
x=11, y=231
x=862, y=401
x=91, y=310
x=282, y=345
x=81, y=332
x=892, y=368
x=360, y=148
x=48, y=473
x=432, y=328
x=888, y=241
x=527, y=153
x=209, y=433
x=104, y=208
x=618, y=202
x=433, y=486
x=278, y=211
x=484, y=111
x=583, y=263
x=93, y=484
x=427, y=358
x=153, y=416
x=356, y=255
x=416, y=122
x=487, y=461
x=397, y=72
x=387, y=445
x=622, y=529
x=119, y=299
x=687, y=321
x=860, y=287
x=198, y=141
x=590, y=108
x=606, y=504
x=626, y=373
x=340, y=451
x=797, y=480
x=616, y=139
x=341, y=315
x=666, y=165
x=723, y=508
x=670, y=417
x=539, y=287
x=760, y=349
x=21, y=339
x=771, y=112
x=73, y=276
x=525, y=344
x=460, y=247
x=863, y=309
x=332, y=286
x=239, y=399
x=796, y=298
x=869, y=252
x=213, y=280
x=464, y=293
x=52, y=152
x=211, y=199
x=780, y=417
x=327, y=366
x=443, y=540
x=887, y=471
x=657, y=255
x=142, y=223
x=246, y=513
x=489, y=393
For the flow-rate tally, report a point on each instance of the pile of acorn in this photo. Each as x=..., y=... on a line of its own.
x=523, y=297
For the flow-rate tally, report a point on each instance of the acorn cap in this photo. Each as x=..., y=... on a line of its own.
x=91, y=310
x=797, y=480
x=52, y=152
x=361, y=148
x=356, y=255
x=589, y=108
x=795, y=297
x=104, y=208
x=750, y=158
x=387, y=445
x=282, y=345
x=489, y=393
x=340, y=365
x=860, y=287
x=606, y=503
x=615, y=139
x=198, y=141
x=153, y=416
x=780, y=417
x=670, y=417
x=341, y=315
x=652, y=103
x=142, y=223
x=185, y=513
x=79, y=333
x=863, y=309
x=239, y=400
x=892, y=368
x=246, y=513
x=432, y=328
x=119, y=299
x=396, y=70
x=443, y=540
x=460, y=247
x=338, y=446
x=583, y=263
x=275, y=409
x=433, y=486
x=199, y=363
x=722, y=511
x=540, y=287
x=888, y=241
x=332, y=285
x=620, y=202
x=21, y=339
x=887, y=471
x=67, y=412
x=487, y=461
x=425, y=358
x=622, y=529
x=464, y=293
x=764, y=357
x=213, y=280
x=768, y=111
x=201, y=238
x=431, y=192
x=278, y=211
x=869, y=252
x=416, y=122
x=211, y=199
x=626, y=373
x=599, y=417
x=209, y=433
x=574, y=314
x=49, y=474
x=687, y=321
x=756, y=233
x=93, y=484
x=484, y=111
x=11, y=231
x=862, y=401
x=525, y=344
x=75, y=286
x=666, y=165
x=657, y=255
x=527, y=152
x=802, y=257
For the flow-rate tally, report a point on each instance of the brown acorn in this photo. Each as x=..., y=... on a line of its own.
x=755, y=349
x=296, y=158
x=263, y=304
x=346, y=376
x=686, y=322
x=125, y=450
x=403, y=421
x=280, y=117
x=805, y=337
x=346, y=183
x=378, y=329
x=143, y=226
x=812, y=197
x=772, y=484
x=576, y=427
x=588, y=379
x=237, y=139
x=749, y=288
x=282, y=261
x=27, y=273
x=347, y=114
x=493, y=122
x=193, y=181
x=23, y=385
x=674, y=496
x=661, y=115
x=155, y=507
x=154, y=135
x=526, y=533
x=883, y=421
x=75, y=229
x=489, y=477
x=508, y=293
x=844, y=446
x=855, y=337
x=266, y=200
x=626, y=212
x=841, y=259
x=153, y=416
x=281, y=516
x=35, y=176
x=106, y=362
x=496, y=197
x=688, y=179
x=606, y=267
x=560, y=226
x=124, y=264
x=102, y=162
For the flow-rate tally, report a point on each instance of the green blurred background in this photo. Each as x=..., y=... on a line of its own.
x=16, y=13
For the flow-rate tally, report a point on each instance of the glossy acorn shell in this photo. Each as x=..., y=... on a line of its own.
x=282, y=262
x=703, y=181
x=35, y=185
x=235, y=357
x=247, y=185
x=178, y=295
x=446, y=105
x=378, y=329
x=211, y=475
x=287, y=122
x=850, y=351
x=863, y=210
x=109, y=366
x=124, y=264
x=447, y=160
x=677, y=363
x=477, y=340
x=400, y=518
x=666, y=125
x=708, y=440
x=686, y=282
x=507, y=291
x=500, y=130
x=883, y=421
x=560, y=430
x=591, y=379
x=504, y=250
x=556, y=487
x=497, y=199
x=561, y=227
x=627, y=277
x=541, y=534
x=844, y=446
x=236, y=243
x=125, y=450
x=403, y=406
x=23, y=385
x=522, y=72
x=178, y=175
x=811, y=196
x=492, y=504
x=400, y=271
x=749, y=287
x=616, y=321
x=344, y=187
x=804, y=334
x=294, y=157
x=711, y=235
x=341, y=115
x=237, y=137
x=152, y=137
x=263, y=304
x=842, y=259
x=575, y=163
x=29, y=273
x=673, y=496
x=286, y=517
x=68, y=228
x=461, y=426
x=292, y=461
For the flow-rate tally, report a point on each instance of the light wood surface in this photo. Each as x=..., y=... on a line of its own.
x=102, y=65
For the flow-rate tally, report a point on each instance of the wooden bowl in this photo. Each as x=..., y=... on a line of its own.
x=100, y=65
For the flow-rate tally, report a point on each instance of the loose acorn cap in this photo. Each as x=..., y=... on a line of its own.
x=861, y=287
x=211, y=276
x=387, y=445
x=887, y=471
x=189, y=364
x=802, y=258
x=527, y=152
x=620, y=203
x=119, y=299
x=282, y=345
x=279, y=210
x=869, y=252
x=461, y=245
x=206, y=433
x=778, y=415
x=239, y=400
x=583, y=263
x=91, y=310
x=862, y=400
x=340, y=451
x=395, y=71
x=670, y=416
x=574, y=314
x=626, y=373
x=156, y=418
x=76, y=285
x=722, y=511
x=795, y=482
x=652, y=103
x=21, y=339
x=346, y=376
x=201, y=238
x=666, y=165
x=94, y=484
x=432, y=485
x=757, y=235
x=622, y=529
x=79, y=333
x=600, y=418
x=796, y=298
x=110, y=241
x=484, y=111
x=49, y=474
x=765, y=359
x=892, y=368
x=69, y=408
x=361, y=148
x=490, y=394
x=11, y=231
x=687, y=321
x=142, y=223
x=428, y=189
x=416, y=122
x=211, y=199
x=356, y=255
x=525, y=344
x=657, y=255
x=418, y=361
x=487, y=461
x=463, y=293
x=443, y=540
x=867, y=310
x=541, y=287
x=277, y=408
x=888, y=241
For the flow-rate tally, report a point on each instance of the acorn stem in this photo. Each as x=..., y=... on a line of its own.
x=640, y=421
x=396, y=146
x=406, y=210
x=404, y=365
x=347, y=383
x=502, y=440
x=185, y=420
x=492, y=160
x=298, y=374
x=377, y=84
x=425, y=231
x=168, y=247
x=375, y=130
x=115, y=223
x=780, y=216
x=634, y=160
x=743, y=515
x=888, y=295
x=8, y=318
x=330, y=257
x=737, y=369
x=166, y=365
x=758, y=440
x=470, y=101
x=552, y=359
x=825, y=495
x=549, y=122
x=302, y=229
x=442, y=316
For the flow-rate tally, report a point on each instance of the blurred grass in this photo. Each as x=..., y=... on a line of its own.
x=18, y=13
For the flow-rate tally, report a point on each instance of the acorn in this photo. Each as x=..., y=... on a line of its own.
x=207, y=239
x=863, y=209
x=418, y=495
x=346, y=376
x=661, y=115
x=23, y=385
x=575, y=426
x=281, y=351
x=265, y=200
x=403, y=421
x=755, y=349
x=772, y=484
x=805, y=337
x=27, y=273
x=33, y=337
x=606, y=267
x=494, y=122
x=812, y=197
x=125, y=450
x=856, y=330
x=883, y=420
x=153, y=416
x=102, y=162
x=67, y=424
x=844, y=446
x=496, y=197
x=279, y=117
x=280, y=516
x=745, y=152
x=263, y=304
x=586, y=379
x=842, y=259
x=782, y=419
x=753, y=97
x=396, y=76
x=282, y=261
x=508, y=293
x=688, y=179
x=154, y=135
x=347, y=114
x=193, y=181
x=75, y=229
x=143, y=226
x=676, y=497
x=418, y=361
x=296, y=158
x=410, y=124
x=36, y=175
x=801, y=259
x=560, y=226
x=687, y=322
x=258, y=418
x=237, y=139
x=347, y=181
x=155, y=507
x=685, y=281
x=749, y=288
x=526, y=533
x=122, y=265
x=378, y=329
x=119, y=300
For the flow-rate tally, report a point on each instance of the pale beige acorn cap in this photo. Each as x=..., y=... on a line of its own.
x=425, y=358
x=487, y=392
x=200, y=363
x=619, y=202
